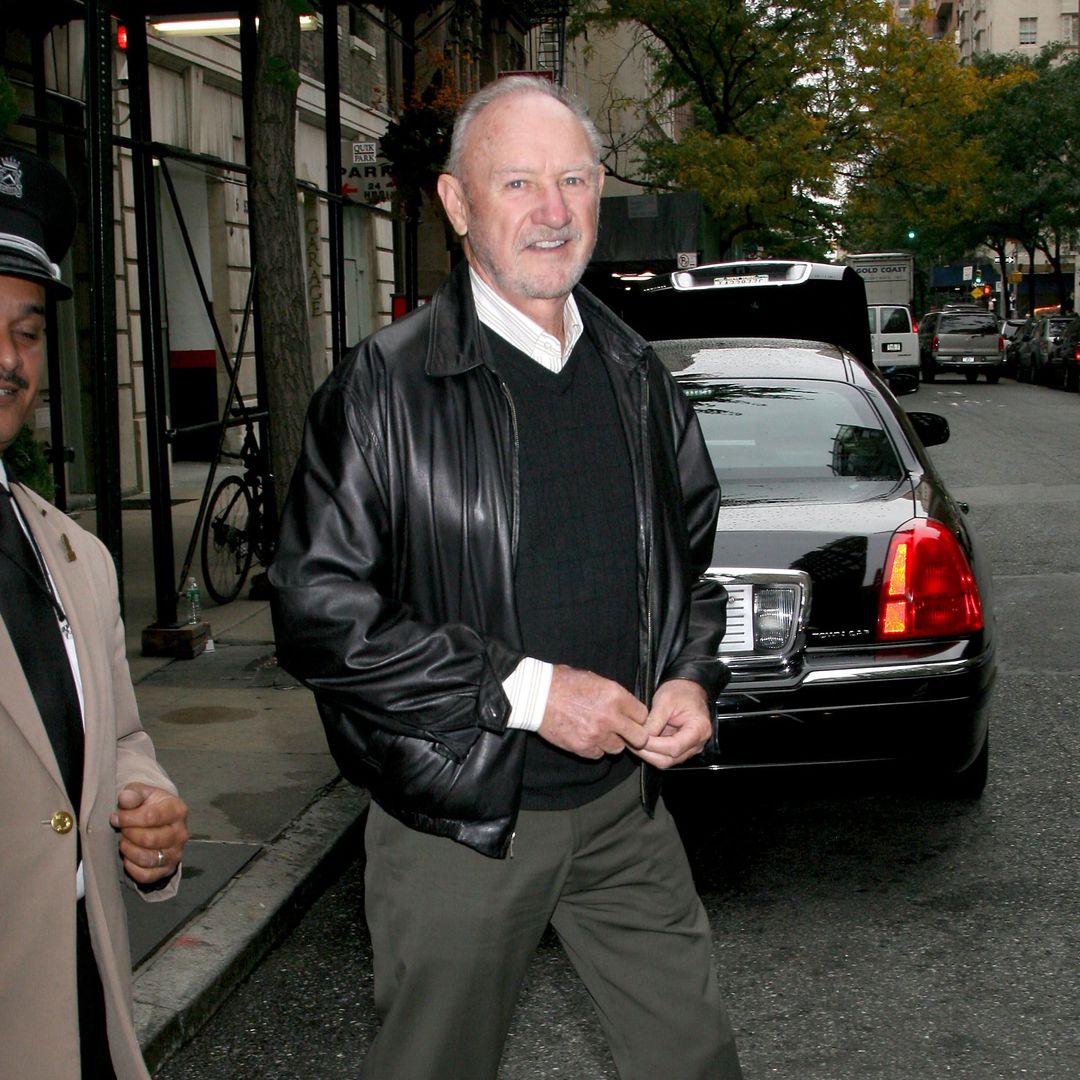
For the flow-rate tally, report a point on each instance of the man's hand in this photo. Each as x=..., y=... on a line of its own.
x=150, y=821
x=592, y=716
x=679, y=724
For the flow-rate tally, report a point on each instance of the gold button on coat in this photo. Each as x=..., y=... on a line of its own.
x=62, y=822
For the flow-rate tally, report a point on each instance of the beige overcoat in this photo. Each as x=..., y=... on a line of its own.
x=38, y=1005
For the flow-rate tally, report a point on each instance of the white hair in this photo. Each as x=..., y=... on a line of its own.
x=511, y=86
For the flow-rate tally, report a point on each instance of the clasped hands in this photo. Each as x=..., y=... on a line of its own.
x=152, y=823
x=591, y=716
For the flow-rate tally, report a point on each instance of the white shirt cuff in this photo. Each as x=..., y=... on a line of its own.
x=527, y=688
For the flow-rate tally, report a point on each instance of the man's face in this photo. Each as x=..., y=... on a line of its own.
x=528, y=201
x=22, y=352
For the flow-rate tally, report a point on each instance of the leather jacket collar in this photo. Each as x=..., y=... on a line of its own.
x=456, y=340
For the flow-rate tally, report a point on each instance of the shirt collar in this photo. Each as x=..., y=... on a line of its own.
x=3, y=474
x=520, y=331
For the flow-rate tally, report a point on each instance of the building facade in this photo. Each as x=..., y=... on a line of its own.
x=197, y=121
x=1024, y=26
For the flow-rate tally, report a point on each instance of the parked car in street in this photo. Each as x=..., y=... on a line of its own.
x=1020, y=344
x=1010, y=331
x=1037, y=357
x=966, y=340
x=894, y=338
x=858, y=623
x=1052, y=370
x=1069, y=353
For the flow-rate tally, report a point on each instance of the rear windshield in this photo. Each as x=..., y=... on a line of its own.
x=772, y=441
x=895, y=320
x=964, y=323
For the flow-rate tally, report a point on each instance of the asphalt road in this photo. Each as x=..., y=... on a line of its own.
x=864, y=930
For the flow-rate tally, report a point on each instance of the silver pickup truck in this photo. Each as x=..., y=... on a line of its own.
x=966, y=341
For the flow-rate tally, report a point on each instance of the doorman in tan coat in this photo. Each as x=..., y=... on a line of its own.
x=83, y=802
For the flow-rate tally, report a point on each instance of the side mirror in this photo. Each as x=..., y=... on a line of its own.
x=932, y=429
x=901, y=383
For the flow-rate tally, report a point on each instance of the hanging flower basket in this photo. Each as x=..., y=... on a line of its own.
x=417, y=145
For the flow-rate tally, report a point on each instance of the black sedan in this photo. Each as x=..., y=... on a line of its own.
x=858, y=620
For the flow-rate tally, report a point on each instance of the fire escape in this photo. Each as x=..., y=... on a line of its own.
x=548, y=20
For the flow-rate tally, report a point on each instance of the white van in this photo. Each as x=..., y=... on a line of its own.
x=895, y=341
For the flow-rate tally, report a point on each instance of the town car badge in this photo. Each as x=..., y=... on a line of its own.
x=11, y=177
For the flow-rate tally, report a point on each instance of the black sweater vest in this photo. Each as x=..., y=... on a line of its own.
x=576, y=569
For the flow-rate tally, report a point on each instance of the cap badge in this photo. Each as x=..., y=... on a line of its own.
x=11, y=177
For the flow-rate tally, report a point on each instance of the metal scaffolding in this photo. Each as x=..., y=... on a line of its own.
x=101, y=144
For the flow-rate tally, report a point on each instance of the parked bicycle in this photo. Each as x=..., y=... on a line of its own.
x=236, y=527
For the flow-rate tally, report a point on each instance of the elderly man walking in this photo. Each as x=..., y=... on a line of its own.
x=490, y=572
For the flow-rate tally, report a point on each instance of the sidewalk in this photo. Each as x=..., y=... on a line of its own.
x=271, y=821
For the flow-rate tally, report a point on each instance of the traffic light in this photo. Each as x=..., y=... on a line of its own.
x=911, y=234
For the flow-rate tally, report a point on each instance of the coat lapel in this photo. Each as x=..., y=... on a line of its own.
x=17, y=701
x=73, y=588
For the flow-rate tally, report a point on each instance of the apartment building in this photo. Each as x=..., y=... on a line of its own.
x=1024, y=26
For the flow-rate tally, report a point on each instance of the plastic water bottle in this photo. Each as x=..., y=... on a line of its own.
x=191, y=591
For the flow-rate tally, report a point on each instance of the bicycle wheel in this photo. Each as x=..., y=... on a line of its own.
x=226, y=540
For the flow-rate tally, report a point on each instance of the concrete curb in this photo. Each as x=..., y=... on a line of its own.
x=178, y=989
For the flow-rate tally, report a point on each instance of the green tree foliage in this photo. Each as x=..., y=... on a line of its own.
x=922, y=163
x=834, y=120
x=773, y=95
x=1030, y=134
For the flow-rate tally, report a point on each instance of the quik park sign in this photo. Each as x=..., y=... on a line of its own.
x=365, y=174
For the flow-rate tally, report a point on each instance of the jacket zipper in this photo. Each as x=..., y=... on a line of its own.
x=514, y=509
x=647, y=523
x=647, y=520
x=514, y=516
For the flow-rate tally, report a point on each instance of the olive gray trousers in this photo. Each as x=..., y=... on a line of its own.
x=453, y=933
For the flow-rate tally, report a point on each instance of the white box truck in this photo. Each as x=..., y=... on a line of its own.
x=889, y=278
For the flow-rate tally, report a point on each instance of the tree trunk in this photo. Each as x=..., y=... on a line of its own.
x=277, y=252
x=1030, y=249
x=1054, y=258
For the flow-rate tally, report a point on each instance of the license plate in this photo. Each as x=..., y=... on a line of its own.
x=741, y=279
x=891, y=346
x=969, y=360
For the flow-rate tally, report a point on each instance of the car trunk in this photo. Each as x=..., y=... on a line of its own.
x=841, y=545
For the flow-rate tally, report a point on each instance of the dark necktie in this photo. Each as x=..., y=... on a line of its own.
x=30, y=611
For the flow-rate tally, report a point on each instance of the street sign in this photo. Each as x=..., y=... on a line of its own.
x=366, y=176
x=976, y=293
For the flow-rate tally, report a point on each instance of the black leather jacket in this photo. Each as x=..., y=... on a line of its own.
x=393, y=582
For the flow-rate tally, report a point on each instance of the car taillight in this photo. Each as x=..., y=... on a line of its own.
x=1076, y=353
x=933, y=343
x=929, y=589
x=1001, y=344
x=914, y=327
